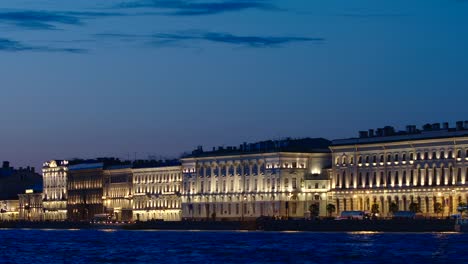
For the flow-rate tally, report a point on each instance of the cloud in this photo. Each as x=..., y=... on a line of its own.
x=226, y=38
x=47, y=20
x=16, y=46
x=161, y=39
x=195, y=8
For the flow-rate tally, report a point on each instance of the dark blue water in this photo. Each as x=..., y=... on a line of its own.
x=115, y=246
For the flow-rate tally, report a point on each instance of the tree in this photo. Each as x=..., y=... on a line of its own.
x=331, y=209
x=438, y=208
x=314, y=210
x=375, y=209
x=393, y=208
x=414, y=207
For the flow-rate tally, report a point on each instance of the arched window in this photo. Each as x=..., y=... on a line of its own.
x=459, y=154
x=396, y=157
x=351, y=160
x=442, y=176
x=343, y=180
x=434, y=155
x=374, y=159
x=367, y=159
x=450, y=181
x=360, y=160
x=381, y=158
x=450, y=155
x=404, y=157
x=418, y=156
x=411, y=156
x=412, y=178
x=389, y=158
x=344, y=160
x=442, y=155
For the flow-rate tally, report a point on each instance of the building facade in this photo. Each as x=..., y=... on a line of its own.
x=425, y=169
x=118, y=192
x=85, y=191
x=271, y=178
x=157, y=192
x=30, y=206
x=54, y=174
x=9, y=210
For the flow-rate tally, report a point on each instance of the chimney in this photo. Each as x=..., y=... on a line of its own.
x=459, y=125
x=380, y=132
x=446, y=125
x=427, y=127
x=371, y=132
x=363, y=134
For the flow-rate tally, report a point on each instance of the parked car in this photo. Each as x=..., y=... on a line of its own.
x=353, y=215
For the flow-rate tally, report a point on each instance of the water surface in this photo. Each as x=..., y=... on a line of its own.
x=118, y=246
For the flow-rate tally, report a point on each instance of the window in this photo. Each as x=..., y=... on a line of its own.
x=294, y=183
x=224, y=185
x=255, y=185
x=286, y=183
x=316, y=186
x=247, y=185
x=294, y=164
x=201, y=187
x=396, y=157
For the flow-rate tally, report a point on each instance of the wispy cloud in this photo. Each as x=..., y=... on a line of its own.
x=226, y=38
x=194, y=8
x=9, y=45
x=47, y=20
x=162, y=39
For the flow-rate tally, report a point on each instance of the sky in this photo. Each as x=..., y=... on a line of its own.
x=140, y=78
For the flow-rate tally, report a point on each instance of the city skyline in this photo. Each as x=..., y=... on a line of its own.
x=161, y=77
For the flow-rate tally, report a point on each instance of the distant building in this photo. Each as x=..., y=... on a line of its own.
x=413, y=169
x=14, y=181
x=9, y=210
x=30, y=205
x=55, y=173
x=118, y=192
x=85, y=191
x=156, y=188
x=270, y=178
x=85, y=188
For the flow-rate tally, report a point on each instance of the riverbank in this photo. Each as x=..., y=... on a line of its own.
x=394, y=225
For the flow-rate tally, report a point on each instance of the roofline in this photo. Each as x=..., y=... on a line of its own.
x=262, y=154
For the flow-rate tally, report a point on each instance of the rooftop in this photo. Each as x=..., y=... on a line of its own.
x=390, y=134
x=303, y=145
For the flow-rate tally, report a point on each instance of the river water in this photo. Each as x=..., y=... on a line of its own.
x=119, y=246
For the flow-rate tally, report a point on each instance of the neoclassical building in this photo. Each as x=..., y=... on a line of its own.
x=425, y=166
x=156, y=192
x=118, y=191
x=54, y=175
x=271, y=178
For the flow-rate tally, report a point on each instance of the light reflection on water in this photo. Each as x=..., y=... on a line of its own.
x=195, y=246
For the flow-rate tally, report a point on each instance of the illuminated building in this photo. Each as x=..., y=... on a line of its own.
x=54, y=174
x=413, y=168
x=30, y=205
x=85, y=191
x=9, y=210
x=271, y=178
x=156, y=189
x=118, y=187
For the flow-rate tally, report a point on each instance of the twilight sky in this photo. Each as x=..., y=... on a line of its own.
x=113, y=77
